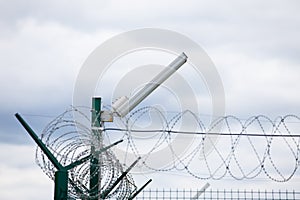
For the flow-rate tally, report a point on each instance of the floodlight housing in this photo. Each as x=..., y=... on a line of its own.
x=124, y=105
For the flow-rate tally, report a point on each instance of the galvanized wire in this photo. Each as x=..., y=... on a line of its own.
x=225, y=146
x=71, y=140
x=218, y=147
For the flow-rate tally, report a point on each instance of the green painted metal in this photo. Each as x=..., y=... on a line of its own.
x=96, y=110
x=80, y=193
x=77, y=162
x=39, y=142
x=94, y=162
x=94, y=176
x=61, y=185
x=105, y=193
x=84, y=159
x=107, y=147
x=61, y=175
x=138, y=191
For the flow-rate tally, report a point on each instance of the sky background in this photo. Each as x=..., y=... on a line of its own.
x=255, y=46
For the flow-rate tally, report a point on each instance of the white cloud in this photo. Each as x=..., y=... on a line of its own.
x=41, y=61
x=266, y=86
x=20, y=178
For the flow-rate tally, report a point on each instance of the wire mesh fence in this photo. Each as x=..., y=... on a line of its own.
x=161, y=194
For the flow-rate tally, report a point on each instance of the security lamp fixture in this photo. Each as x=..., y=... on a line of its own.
x=123, y=105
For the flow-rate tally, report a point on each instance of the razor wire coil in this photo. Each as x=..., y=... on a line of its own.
x=69, y=141
x=264, y=137
x=218, y=148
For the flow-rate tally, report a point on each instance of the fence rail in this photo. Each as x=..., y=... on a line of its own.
x=160, y=194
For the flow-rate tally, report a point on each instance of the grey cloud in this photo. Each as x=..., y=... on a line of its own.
x=44, y=43
x=268, y=27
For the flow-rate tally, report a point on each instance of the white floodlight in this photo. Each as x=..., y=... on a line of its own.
x=123, y=105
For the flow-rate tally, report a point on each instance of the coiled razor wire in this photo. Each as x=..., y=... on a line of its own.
x=70, y=140
x=218, y=148
x=227, y=146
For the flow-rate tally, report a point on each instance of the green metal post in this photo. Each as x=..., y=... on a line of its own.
x=61, y=178
x=61, y=175
x=138, y=191
x=39, y=142
x=61, y=185
x=96, y=109
x=95, y=165
x=105, y=193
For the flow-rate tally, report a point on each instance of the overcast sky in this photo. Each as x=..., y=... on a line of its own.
x=255, y=46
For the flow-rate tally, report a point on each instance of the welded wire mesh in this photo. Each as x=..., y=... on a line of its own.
x=161, y=194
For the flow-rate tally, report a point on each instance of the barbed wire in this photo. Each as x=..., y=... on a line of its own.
x=70, y=140
x=202, y=133
x=242, y=149
x=173, y=141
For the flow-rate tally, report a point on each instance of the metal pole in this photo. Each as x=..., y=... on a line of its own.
x=61, y=185
x=61, y=178
x=138, y=191
x=119, y=179
x=61, y=175
x=95, y=165
x=39, y=142
x=84, y=159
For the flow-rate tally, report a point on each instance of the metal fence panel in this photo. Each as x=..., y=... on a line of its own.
x=161, y=194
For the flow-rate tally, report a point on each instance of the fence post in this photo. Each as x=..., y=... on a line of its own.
x=95, y=166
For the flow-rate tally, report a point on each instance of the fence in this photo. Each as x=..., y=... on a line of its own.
x=159, y=194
